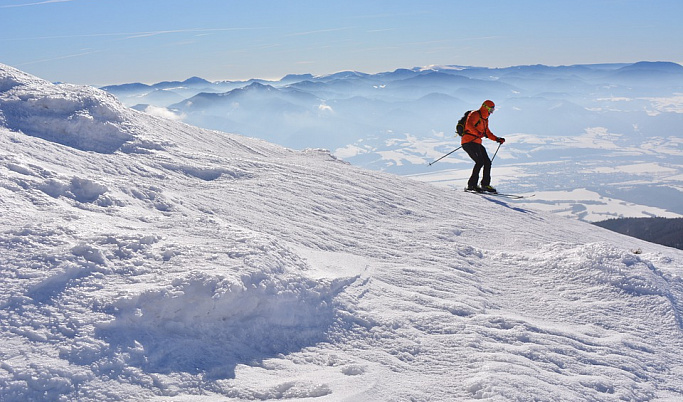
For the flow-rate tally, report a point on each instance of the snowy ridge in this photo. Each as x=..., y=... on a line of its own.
x=143, y=258
x=93, y=120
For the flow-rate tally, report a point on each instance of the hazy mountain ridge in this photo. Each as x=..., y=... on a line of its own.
x=586, y=83
x=526, y=95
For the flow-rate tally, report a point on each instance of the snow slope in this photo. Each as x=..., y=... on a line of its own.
x=145, y=259
x=593, y=142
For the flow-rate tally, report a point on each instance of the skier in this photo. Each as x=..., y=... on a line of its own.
x=476, y=127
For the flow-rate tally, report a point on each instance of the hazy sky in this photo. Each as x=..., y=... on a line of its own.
x=102, y=42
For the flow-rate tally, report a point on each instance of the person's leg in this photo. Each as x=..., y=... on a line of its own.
x=474, y=151
x=486, y=161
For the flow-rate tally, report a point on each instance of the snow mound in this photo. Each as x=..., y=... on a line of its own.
x=78, y=189
x=81, y=117
x=207, y=173
x=209, y=323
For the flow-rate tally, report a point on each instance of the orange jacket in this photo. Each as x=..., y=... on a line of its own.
x=477, y=126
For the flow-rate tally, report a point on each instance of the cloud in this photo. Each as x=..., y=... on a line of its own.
x=204, y=31
x=132, y=35
x=40, y=3
x=325, y=108
x=672, y=104
x=319, y=31
x=162, y=112
x=68, y=56
x=381, y=30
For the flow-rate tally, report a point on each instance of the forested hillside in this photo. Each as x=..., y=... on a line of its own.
x=665, y=231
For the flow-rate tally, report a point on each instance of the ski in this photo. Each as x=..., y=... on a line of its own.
x=504, y=195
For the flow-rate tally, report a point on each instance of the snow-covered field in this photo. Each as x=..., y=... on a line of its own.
x=145, y=259
x=591, y=177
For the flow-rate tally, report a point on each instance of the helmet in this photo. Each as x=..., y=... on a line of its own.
x=487, y=108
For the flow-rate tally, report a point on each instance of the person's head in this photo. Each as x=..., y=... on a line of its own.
x=487, y=108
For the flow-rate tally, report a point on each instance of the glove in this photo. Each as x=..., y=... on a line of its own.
x=500, y=140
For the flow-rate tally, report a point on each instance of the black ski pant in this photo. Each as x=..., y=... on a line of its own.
x=481, y=159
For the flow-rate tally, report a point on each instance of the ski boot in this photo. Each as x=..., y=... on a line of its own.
x=488, y=189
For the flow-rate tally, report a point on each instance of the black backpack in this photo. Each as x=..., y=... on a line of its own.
x=460, y=127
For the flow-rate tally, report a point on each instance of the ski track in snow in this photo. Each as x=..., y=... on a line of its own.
x=147, y=259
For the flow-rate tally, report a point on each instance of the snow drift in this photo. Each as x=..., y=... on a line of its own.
x=142, y=258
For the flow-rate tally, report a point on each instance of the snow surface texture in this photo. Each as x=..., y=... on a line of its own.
x=145, y=259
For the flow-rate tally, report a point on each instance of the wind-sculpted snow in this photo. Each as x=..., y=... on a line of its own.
x=210, y=324
x=81, y=117
x=210, y=266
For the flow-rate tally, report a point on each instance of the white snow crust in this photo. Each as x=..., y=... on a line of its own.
x=145, y=259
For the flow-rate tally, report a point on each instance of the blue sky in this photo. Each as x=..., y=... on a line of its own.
x=102, y=42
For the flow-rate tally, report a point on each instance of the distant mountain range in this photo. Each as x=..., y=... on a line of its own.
x=538, y=99
x=611, y=129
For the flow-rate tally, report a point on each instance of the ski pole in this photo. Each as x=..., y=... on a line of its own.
x=494, y=155
x=433, y=162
